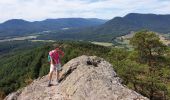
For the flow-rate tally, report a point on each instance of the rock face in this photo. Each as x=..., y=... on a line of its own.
x=82, y=78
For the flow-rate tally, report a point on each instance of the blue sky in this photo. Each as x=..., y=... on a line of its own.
x=32, y=10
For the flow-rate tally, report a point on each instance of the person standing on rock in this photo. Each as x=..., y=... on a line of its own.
x=55, y=64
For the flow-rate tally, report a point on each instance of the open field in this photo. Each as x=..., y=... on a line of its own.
x=20, y=38
x=124, y=40
x=42, y=40
x=165, y=38
x=103, y=44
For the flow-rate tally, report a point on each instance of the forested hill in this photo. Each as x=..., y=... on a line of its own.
x=135, y=22
x=118, y=26
x=20, y=27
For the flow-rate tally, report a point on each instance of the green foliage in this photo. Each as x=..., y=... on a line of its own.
x=137, y=75
x=148, y=46
x=22, y=68
x=10, y=47
x=146, y=69
x=151, y=51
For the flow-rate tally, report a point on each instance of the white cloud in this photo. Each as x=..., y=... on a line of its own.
x=106, y=9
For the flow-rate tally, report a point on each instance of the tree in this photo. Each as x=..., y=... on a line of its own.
x=131, y=73
x=148, y=45
x=117, y=55
x=150, y=50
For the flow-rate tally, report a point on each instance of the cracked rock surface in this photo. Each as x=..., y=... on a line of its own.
x=82, y=78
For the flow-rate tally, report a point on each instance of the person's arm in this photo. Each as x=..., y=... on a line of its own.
x=52, y=61
x=61, y=53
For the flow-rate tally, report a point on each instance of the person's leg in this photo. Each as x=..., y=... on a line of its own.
x=57, y=73
x=57, y=80
x=50, y=74
x=50, y=77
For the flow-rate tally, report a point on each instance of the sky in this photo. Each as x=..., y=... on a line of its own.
x=36, y=10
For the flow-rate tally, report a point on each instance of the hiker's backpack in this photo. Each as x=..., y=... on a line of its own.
x=49, y=58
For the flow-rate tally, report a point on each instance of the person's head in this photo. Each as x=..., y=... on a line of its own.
x=57, y=46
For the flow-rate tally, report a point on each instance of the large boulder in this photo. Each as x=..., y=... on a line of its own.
x=82, y=78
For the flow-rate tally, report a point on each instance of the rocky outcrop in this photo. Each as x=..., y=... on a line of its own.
x=82, y=78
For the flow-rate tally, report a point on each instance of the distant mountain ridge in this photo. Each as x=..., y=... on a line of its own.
x=119, y=26
x=20, y=27
x=90, y=29
x=136, y=22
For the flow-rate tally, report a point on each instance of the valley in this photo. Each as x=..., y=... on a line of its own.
x=142, y=64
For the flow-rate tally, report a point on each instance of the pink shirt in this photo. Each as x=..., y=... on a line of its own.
x=55, y=55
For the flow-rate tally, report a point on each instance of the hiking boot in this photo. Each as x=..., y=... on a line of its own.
x=49, y=85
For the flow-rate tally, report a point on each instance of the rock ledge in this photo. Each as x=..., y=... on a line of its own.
x=82, y=78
